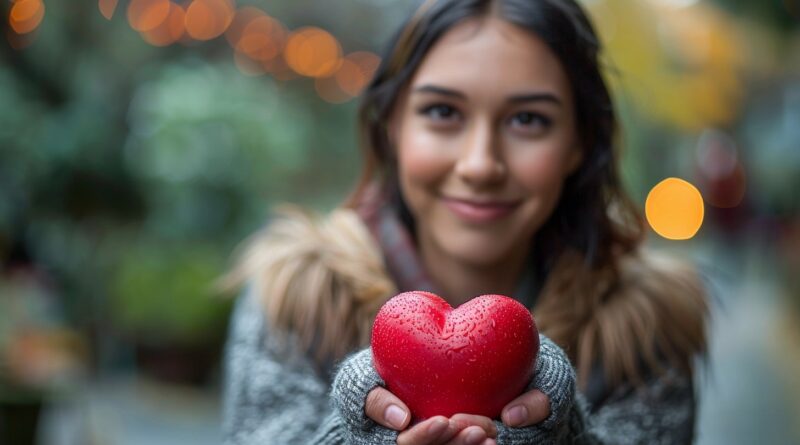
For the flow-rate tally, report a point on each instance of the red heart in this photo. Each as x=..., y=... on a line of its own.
x=442, y=361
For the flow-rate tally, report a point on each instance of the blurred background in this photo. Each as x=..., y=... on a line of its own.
x=142, y=140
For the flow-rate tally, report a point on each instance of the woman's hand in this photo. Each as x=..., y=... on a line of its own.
x=461, y=429
x=363, y=407
x=528, y=409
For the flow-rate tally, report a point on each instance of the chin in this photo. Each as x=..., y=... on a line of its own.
x=476, y=252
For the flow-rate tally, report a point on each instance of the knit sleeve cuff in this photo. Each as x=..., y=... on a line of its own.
x=330, y=432
x=555, y=377
x=354, y=379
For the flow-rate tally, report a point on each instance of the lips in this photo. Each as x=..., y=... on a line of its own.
x=479, y=212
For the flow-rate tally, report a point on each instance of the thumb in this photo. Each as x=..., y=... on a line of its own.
x=528, y=409
x=386, y=409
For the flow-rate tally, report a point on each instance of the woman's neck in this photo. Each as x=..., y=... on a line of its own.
x=460, y=281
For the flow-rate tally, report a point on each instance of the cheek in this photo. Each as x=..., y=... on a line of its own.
x=422, y=160
x=540, y=171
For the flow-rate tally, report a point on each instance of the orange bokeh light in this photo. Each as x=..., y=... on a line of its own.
x=241, y=19
x=313, y=52
x=330, y=91
x=107, y=8
x=674, y=209
x=26, y=15
x=208, y=19
x=356, y=72
x=170, y=30
x=262, y=39
x=144, y=15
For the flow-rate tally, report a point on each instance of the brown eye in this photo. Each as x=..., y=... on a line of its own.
x=440, y=112
x=530, y=121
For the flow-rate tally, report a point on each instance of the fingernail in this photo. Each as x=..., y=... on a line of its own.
x=437, y=427
x=516, y=415
x=475, y=437
x=395, y=416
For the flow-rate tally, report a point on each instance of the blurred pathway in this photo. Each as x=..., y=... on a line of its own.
x=135, y=412
x=751, y=393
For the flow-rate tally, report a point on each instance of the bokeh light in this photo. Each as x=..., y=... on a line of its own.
x=107, y=8
x=208, y=19
x=313, y=52
x=144, y=15
x=674, y=209
x=721, y=173
x=241, y=18
x=168, y=31
x=26, y=15
x=328, y=90
x=696, y=49
x=263, y=38
x=356, y=72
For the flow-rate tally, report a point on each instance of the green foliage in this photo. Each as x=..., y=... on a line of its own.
x=165, y=294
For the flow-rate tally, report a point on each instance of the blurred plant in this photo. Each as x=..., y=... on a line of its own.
x=163, y=295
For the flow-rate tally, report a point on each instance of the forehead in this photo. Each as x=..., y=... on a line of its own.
x=492, y=55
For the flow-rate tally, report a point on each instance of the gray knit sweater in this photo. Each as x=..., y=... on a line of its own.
x=272, y=397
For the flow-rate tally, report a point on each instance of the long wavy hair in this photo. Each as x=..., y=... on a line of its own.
x=598, y=310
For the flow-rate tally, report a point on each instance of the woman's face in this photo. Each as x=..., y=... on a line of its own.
x=484, y=135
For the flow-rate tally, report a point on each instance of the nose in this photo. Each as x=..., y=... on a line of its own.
x=481, y=161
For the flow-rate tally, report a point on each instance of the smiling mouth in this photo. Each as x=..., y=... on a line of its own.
x=479, y=212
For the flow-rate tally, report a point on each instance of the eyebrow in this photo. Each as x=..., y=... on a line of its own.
x=517, y=98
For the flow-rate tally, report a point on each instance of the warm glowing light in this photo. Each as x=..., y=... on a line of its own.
x=170, y=30
x=722, y=175
x=356, y=72
x=674, y=209
x=262, y=39
x=208, y=19
x=313, y=52
x=107, y=8
x=26, y=15
x=329, y=90
x=144, y=15
x=241, y=19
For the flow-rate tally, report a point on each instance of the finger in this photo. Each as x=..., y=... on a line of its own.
x=472, y=435
x=386, y=409
x=429, y=432
x=489, y=441
x=465, y=420
x=528, y=409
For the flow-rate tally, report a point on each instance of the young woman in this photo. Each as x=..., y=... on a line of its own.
x=490, y=167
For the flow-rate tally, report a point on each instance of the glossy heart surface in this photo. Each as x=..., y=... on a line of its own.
x=441, y=361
